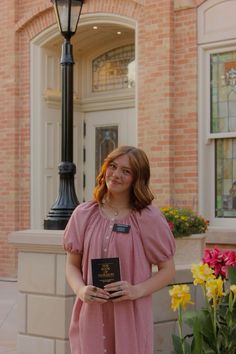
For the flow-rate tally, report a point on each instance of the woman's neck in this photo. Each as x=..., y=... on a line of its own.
x=116, y=206
x=117, y=201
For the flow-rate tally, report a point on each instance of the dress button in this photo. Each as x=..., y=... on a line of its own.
x=111, y=226
x=105, y=249
x=104, y=337
x=105, y=350
x=107, y=237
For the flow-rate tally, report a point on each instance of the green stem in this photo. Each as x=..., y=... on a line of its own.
x=180, y=326
x=214, y=318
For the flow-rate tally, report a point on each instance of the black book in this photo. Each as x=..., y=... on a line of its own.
x=105, y=271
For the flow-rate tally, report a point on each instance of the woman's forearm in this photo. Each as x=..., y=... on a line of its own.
x=73, y=272
x=158, y=280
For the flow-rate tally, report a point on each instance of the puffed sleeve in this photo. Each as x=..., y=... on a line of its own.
x=75, y=229
x=157, y=238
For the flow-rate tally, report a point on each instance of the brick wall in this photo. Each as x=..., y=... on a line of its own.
x=166, y=101
x=8, y=136
x=184, y=126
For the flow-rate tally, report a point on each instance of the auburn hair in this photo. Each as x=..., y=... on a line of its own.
x=140, y=194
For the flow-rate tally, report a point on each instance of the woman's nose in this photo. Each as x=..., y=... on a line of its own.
x=116, y=172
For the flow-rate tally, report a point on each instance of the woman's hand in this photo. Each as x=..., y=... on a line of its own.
x=121, y=291
x=91, y=294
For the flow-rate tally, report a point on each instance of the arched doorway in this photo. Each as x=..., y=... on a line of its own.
x=104, y=104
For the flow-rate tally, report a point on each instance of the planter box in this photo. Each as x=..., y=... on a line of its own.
x=189, y=249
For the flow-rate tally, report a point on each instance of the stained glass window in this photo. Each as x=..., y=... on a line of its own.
x=223, y=120
x=114, y=69
x=223, y=92
x=106, y=141
x=226, y=177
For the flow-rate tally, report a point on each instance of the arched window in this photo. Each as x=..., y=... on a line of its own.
x=114, y=69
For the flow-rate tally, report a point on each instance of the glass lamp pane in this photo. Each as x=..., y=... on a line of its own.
x=76, y=7
x=68, y=13
x=62, y=8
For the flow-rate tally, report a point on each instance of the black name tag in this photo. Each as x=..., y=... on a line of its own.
x=124, y=229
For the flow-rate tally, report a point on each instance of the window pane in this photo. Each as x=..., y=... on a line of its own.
x=106, y=141
x=223, y=92
x=226, y=178
x=114, y=69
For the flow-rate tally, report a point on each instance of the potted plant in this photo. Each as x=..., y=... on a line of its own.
x=189, y=230
x=184, y=222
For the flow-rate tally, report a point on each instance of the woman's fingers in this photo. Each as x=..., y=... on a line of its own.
x=94, y=294
x=117, y=286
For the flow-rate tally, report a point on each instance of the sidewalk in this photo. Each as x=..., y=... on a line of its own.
x=8, y=320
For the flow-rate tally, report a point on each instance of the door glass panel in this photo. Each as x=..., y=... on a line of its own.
x=226, y=178
x=106, y=141
x=114, y=69
x=223, y=92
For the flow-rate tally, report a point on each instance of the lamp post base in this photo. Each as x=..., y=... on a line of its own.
x=55, y=222
x=66, y=201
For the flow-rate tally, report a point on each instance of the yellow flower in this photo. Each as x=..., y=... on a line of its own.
x=214, y=288
x=180, y=296
x=201, y=273
x=233, y=289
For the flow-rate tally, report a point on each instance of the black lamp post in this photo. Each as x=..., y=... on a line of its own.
x=68, y=14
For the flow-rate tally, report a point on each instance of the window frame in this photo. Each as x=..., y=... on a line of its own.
x=207, y=165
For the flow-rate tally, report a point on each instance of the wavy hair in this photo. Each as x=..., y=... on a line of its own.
x=140, y=194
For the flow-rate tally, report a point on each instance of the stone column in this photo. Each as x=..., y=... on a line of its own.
x=45, y=300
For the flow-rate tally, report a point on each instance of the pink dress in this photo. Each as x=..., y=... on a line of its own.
x=125, y=327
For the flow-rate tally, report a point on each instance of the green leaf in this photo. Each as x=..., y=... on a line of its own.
x=187, y=348
x=177, y=344
x=197, y=343
x=231, y=273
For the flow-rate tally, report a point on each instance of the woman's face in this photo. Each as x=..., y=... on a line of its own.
x=119, y=176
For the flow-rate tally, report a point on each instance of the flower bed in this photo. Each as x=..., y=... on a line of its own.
x=184, y=222
x=214, y=326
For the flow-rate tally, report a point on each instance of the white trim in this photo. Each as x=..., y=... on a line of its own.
x=107, y=18
x=35, y=134
x=216, y=21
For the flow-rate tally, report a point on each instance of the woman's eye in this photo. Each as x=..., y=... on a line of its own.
x=126, y=172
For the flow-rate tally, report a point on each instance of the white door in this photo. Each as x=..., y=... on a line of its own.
x=105, y=130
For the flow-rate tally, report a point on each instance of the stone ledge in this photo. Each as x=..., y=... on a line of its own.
x=222, y=238
x=47, y=241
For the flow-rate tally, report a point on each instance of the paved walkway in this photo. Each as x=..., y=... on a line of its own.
x=8, y=321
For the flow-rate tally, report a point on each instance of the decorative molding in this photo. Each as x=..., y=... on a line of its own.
x=91, y=104
x=211, y=26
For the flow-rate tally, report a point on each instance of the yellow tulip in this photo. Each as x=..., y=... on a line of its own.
x=201, y=273
x=214, y=288
x=233, y=289
x=180, y=296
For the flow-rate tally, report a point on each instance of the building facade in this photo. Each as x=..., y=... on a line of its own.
x=159, y=74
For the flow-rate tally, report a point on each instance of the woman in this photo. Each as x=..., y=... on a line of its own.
x=118, y=318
